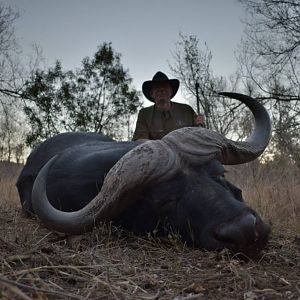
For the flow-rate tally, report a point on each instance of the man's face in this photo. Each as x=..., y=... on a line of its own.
x=161, y=94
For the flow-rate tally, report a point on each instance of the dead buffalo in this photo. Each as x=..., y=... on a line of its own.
x=174, y=184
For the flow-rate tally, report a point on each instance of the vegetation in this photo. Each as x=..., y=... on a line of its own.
x=112, y=264
x=270, y=67
x=192, y=66
x=269, y=70
x=10, y=129
x=271, y=47
x=37, y=103
x=96, y=98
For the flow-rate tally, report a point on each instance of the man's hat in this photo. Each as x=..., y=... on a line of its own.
x=159, y=77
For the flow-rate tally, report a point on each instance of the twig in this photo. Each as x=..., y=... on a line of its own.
x=24, y=286
x=18, y=257
x=44, y=237
x=110, y=287
x=16, y=291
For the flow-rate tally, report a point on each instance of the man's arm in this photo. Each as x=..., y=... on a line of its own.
x=141, y=129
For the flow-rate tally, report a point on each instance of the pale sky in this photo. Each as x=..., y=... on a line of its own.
x=143, y=31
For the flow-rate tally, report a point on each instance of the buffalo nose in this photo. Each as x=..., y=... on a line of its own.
x=240, y=232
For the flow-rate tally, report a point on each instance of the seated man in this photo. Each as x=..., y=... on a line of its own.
x=164, y=116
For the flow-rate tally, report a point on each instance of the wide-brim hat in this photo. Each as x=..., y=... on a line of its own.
x=159, y=77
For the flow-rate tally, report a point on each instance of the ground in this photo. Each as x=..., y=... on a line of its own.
x=112, y=264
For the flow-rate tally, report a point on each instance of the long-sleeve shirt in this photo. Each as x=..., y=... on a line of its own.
x=153, y=124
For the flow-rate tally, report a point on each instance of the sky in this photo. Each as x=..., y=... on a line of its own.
x=144, y=32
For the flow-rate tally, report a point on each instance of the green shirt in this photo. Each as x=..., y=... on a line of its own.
x=153, y=124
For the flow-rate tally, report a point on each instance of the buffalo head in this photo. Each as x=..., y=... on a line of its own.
x=177, y=182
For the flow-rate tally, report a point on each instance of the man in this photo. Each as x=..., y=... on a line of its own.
x=164, y=116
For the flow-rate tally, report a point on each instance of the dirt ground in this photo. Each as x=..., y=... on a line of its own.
x=110, y=264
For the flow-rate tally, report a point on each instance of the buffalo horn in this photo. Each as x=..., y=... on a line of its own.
x=196, y=145
x=152, y=160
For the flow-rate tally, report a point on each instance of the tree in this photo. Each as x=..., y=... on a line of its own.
x=11, y=132
x=10, y=129
x=270, y=50
x=269, y=59
x=8, y=46
x=97, y=97
x=192, y=66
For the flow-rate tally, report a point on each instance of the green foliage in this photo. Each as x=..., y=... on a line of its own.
x=97, y=97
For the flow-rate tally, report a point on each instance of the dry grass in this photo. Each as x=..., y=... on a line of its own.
x=273, y=191
x=110, y=264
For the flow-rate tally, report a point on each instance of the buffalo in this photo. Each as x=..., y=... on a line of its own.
x=74, y=181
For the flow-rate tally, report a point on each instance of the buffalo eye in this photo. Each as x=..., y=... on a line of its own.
x=220, y=178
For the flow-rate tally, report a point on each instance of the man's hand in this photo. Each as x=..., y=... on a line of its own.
x=200, y=120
